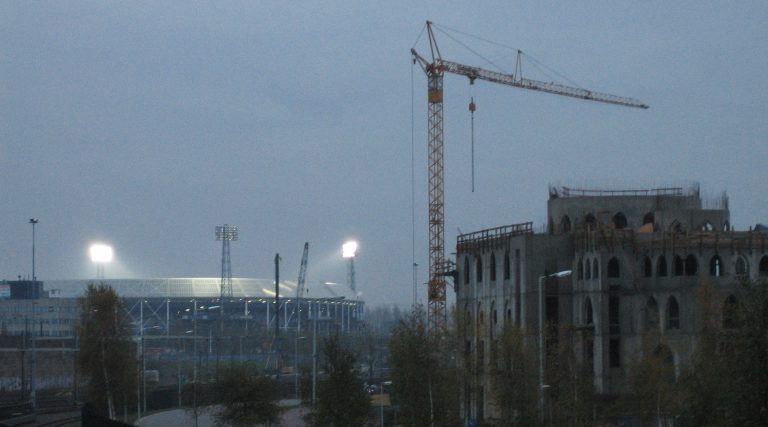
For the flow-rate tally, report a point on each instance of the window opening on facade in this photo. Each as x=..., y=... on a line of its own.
x=679, y=266
x=691, y=266
x=590, y=221
x=580, y=270
x=673, y=314
x=764, y=266
x=493, y=267
x=614, y=353
x=619, y=221
x=565, y=224
x=664, y=354
x=466, y=271
x=651, y=314
x=676, y=227
x=613, y=314
x=726, y=226
x=613, y=268
x=506, y=265
x=588, y=317
x=647, y=267
x=595, y=269
x=589, y=353
x=479, y=270
x=587, y=269
x=507, y=313
x=742, y=268
x=648, y=218
x=661, y=266
x=730, y=312
x=707, y=226
x=715, y=266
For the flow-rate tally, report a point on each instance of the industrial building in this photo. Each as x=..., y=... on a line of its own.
x=613, y=265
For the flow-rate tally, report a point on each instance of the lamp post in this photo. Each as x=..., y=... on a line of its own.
x=33, y=221
x=296, y=367
x=559, y=274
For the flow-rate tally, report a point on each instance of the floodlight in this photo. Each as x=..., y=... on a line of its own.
x=101, y=253
x=349, y=249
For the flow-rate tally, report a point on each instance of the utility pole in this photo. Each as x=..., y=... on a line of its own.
x=33, y=221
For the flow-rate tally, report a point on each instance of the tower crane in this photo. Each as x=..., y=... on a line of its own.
x=435, y=69
x=300, y=284
x=300, y=288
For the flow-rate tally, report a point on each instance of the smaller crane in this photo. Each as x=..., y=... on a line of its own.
x=300, y=285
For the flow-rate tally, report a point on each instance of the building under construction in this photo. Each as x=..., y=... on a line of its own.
x=617, y=268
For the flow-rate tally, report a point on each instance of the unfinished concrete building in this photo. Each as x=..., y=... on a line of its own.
x=636, y=260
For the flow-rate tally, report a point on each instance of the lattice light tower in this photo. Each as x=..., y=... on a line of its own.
x=225, y=234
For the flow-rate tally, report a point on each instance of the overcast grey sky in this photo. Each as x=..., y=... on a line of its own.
x=146, y=124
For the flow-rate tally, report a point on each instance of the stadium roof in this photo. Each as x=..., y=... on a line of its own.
x=198, y=287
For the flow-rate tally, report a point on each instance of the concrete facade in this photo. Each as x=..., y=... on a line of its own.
x=637, y=260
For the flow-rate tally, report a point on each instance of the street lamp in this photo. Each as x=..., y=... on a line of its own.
x=296, y=367
x=101, y=254
x=559, y=274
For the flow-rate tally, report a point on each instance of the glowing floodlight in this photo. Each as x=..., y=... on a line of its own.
x=349, y=249
x=101, y=253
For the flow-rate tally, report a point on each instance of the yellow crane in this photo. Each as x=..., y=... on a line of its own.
x=435, y=69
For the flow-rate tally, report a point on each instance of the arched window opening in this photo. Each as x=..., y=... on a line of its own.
x=676, y=227
x=479, y=270
x=551, y=226
x=466, y=271
x=506, y=266
x=619, y=221
x=481, y=319
x=647, y=267
x=707, y=226
x=715, y=266
x=595, y=269
x=588, y=318
x=691, y=266
x=587, y=269
x=679, y=266
x=613, y=268
x=661, y=266
x=580, y=270
x=590, y=221
x=507, y=313
x=648, y=218
x=730, y=313
x=673, y=314
x=764, y=266
x=726, y=226
x=495, y=318
x=565, y=224
x=493, y=267
x=651, y=314
x=742, y=268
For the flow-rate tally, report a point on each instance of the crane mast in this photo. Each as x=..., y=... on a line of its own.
x=435, y=71
x=300, y=284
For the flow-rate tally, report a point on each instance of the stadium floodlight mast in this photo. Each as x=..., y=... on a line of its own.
x=225, y=234
x=101, y=254
x=349, y=251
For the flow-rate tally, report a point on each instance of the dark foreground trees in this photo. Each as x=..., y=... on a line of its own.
x=342, y=400
x=424, y=375
x=246, y=397
x=728, y=382
x=107, y=357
